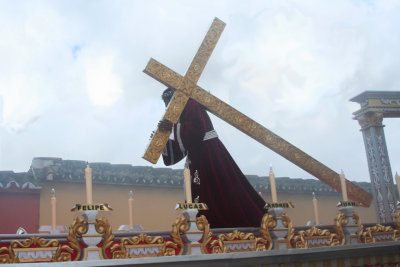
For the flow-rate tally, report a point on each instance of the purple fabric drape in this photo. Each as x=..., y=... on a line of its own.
x=216, y=178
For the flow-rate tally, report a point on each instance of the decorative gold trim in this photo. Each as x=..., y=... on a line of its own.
x=149, y=242
x=34, y=240
x=103, y=227
x=119, y=251
x=236, y=237
x=338, y=223
x=8, y=258
x=301, y=241
x=64, y=253
x=204, y=226
x=180, y=226
x=371, y=234
x=25, y=246
x=268, y=222
x=287, y=222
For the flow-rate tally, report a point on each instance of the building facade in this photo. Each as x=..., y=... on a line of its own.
x=155, y=192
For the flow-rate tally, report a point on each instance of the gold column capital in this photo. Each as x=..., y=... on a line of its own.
x=370, y=119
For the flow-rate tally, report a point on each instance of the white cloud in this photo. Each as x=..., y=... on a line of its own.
x=102, y=83
x=73, y=71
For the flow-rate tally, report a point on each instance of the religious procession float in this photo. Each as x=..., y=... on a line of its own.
x=193, y=240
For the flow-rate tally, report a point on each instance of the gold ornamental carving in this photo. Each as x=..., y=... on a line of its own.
x=186, y=87
x=287, y=222
x=371, y=119
x=77, y=229
x=25, y=246
x=42, y=243
x=103, y=227
x=237, y=242
x=268, y=222
x=315, y=237
x=180, y=226
x=142, y=241
x=379, y=233
x=339, y=221
x=61, y=253
x=7, y=256
x=204, y=226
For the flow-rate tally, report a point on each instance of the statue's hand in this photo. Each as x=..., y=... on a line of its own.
x=165, y=125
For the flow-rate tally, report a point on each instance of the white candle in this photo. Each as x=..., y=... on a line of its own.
x=398, y=183
x=343, y=185
x=273, y=186
x=188, y=189
x=316, y=213
x=130, y=206
x=53, y=209
x=88, y=178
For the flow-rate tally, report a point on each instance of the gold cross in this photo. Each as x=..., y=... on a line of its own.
x=186, y=87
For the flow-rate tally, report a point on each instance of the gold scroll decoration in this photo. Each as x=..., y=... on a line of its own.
x=204, y=226
x=237, y=242
x=103, y=227
x=121, y=251
x=35, y=244
x=315, y=237
x=338, y=223
x=186, y=88
x=25, y=246
x=378, y=233
x=77, y=229
x=268, y=222
x=180, y=226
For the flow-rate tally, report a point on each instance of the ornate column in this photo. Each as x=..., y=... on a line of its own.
x=375, y=105
x=379, y=165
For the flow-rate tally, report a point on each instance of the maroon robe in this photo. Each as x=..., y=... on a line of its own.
x=216, y=179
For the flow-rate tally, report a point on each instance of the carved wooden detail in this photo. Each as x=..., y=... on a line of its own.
x=378, y=233
x=237, y=242
x=316, y=237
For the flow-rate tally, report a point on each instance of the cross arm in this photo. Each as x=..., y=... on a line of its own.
x=278, y=144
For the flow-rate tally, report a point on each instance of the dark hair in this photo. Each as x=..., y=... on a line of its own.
x=168, y=93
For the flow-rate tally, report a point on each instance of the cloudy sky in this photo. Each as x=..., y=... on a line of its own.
x=72, y=86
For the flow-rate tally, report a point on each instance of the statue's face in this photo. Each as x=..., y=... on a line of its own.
x=166, y=100
x=167, y=95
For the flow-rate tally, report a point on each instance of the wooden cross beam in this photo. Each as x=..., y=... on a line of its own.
x=186, y=87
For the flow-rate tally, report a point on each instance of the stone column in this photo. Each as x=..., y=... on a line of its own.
x=192, y=235
x=91, y=238
x=378, y=164
x=281, y=230
x=350, y=227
